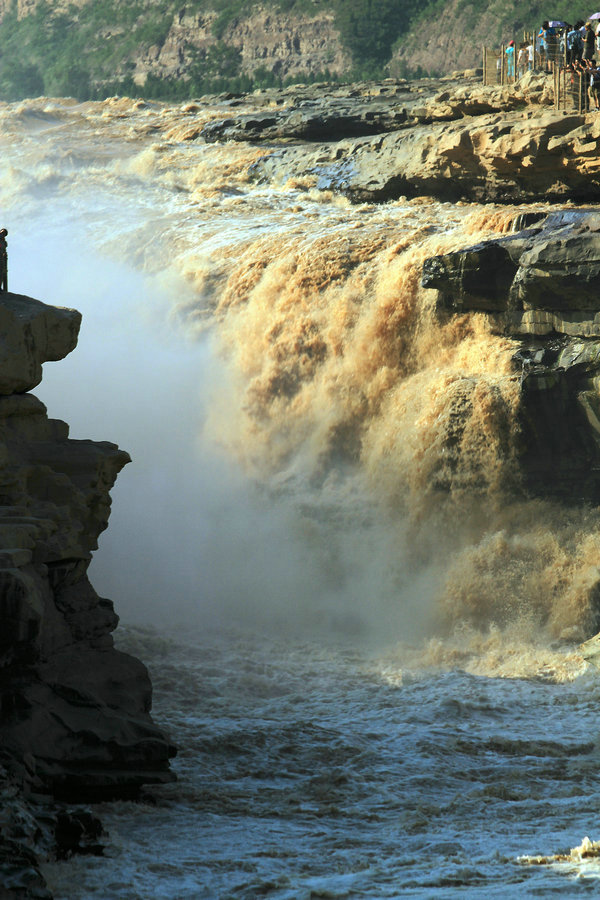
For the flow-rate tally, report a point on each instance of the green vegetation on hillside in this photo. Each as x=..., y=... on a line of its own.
x=369, y=29
x=89, y=51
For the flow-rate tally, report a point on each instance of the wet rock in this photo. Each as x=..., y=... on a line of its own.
x=545, y=278
x=541, y=287
x=78, y=831
x=22, y=836
x=19, y=873
x=562, y=271
x=477, y=278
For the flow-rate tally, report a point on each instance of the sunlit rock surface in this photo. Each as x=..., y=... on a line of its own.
x=375, y=142
x=74, y=712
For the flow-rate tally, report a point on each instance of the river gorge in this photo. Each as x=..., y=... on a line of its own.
x=349, y=337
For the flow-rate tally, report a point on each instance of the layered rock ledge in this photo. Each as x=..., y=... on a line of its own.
x=74, y=712
x=541, y=286
x=450, y=139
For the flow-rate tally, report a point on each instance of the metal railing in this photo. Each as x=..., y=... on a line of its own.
x=500, y=67
x=494, y=62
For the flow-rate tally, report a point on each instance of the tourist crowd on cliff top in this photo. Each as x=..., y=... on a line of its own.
x=576, y=46
x=555, y=41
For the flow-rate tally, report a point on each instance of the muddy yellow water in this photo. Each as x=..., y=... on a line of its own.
x=379, y=691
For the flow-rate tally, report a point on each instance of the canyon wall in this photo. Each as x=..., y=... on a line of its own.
x=85, y=47
x=74, y=712
x=287, y=46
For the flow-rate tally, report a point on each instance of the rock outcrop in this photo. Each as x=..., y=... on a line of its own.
x=541, y=286
x=379, y=142
x=74, y=712
x=287, y=46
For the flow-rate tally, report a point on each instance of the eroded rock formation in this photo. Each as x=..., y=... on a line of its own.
x=74, y=711
x=541, y=286
x=452, y=141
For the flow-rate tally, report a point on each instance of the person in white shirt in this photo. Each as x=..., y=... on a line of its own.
x=522, y=60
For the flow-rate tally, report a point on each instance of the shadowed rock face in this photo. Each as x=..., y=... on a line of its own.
x=542, y=287
x=544, y=279
x=318, y=113
x=32, y=333
x=74, y=712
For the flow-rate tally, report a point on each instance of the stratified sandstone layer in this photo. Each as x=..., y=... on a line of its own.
x=448, y=139
x=541, y=285
x=74, y=712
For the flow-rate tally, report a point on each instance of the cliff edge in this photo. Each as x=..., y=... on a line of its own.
x=74, y=712
x=539, y=285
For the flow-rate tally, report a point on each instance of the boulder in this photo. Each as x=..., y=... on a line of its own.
x=32, y=333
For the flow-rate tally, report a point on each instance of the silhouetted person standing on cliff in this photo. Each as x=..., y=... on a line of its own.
x=3, y=261
x=589, y=42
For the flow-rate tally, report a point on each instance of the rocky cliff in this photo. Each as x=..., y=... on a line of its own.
x=443, y=139
x=540, y=285
x=286, y=46
x=74, y=712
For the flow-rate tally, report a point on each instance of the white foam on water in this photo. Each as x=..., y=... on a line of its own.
x=400, y=773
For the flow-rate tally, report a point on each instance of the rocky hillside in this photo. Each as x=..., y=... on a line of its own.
x=451, y=35
x=267, y=41
x=89, y=49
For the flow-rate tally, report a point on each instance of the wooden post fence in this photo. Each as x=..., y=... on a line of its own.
x=570, y=89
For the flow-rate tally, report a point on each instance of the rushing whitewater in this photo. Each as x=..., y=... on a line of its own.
x=379, y=692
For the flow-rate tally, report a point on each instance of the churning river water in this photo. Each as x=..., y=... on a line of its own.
x=363, y=640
